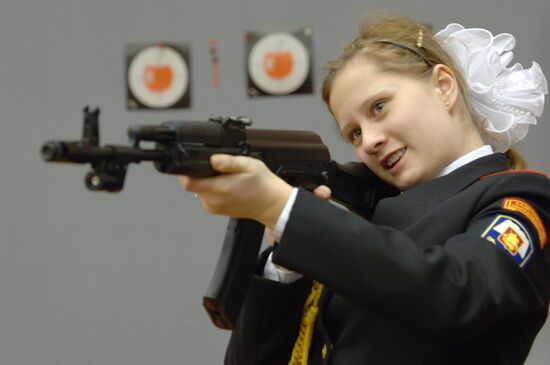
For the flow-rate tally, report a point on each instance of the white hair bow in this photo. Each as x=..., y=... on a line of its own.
x=505, y=100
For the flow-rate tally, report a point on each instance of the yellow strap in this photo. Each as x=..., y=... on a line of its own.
x=303, y=342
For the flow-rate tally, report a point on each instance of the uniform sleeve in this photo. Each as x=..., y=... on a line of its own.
x=458, y=287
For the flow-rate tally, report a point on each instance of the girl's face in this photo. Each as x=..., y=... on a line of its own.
x=400, y=126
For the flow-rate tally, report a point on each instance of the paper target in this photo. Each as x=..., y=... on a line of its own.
x=279, y=63
x=158, y=77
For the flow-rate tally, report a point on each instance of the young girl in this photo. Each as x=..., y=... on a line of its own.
x=455, y=270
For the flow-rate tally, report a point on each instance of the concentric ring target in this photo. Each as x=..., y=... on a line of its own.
x=278, y=63
x=158, y=76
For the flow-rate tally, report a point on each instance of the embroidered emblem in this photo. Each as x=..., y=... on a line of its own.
x=523, y=207
x=511, y=240
x=510, y=235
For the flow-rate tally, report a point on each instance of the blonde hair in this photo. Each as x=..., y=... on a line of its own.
x=403, y=46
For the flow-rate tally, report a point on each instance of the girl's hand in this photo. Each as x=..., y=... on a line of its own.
x=322, y=192
x=246, y=188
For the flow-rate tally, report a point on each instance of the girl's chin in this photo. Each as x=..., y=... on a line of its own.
x=405, y=181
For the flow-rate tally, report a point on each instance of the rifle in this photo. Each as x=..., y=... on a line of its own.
x=185, y=147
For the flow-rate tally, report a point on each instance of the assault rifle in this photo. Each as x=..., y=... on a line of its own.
x=185, y=147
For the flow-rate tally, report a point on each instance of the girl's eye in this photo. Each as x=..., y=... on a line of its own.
x=355, y=136
x=378, y=106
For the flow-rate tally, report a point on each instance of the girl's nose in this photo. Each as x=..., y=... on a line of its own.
x=373, y=141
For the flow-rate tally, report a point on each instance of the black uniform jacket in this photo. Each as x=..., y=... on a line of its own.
x=454, y=271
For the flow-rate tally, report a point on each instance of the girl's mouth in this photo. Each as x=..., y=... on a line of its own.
x=394, y=158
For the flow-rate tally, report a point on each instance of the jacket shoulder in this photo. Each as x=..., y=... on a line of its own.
x=534, y=184
x=515, y=173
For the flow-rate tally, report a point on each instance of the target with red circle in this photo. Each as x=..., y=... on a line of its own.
x=158, y=76
x=279, y=63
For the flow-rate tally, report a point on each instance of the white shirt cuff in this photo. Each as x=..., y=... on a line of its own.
x=283, y=218
x=278, y=273
x=272, y=271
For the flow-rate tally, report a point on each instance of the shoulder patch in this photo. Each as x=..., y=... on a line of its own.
x=512, y=236
x=526, y=209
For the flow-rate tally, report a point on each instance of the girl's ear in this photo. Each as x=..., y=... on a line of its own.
x=444, y=80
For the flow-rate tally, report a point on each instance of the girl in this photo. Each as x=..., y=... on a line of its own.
x=452, y=271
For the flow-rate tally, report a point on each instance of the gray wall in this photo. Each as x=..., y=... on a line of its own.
x=89, y=278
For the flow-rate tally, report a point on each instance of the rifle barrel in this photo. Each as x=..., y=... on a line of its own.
x=80, y=152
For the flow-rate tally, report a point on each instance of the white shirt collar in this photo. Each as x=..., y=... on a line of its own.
x=467, y=158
